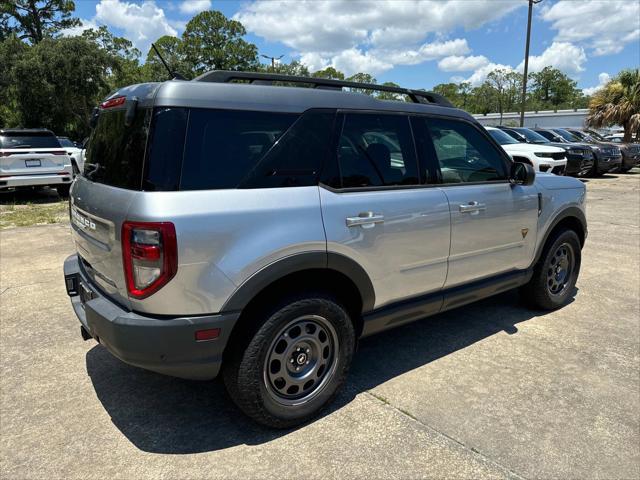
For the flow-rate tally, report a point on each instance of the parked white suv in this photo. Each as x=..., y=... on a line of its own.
x=541, y=157
x=75, y=152
x=33, y=158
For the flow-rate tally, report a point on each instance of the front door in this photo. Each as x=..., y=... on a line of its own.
x=493, y=223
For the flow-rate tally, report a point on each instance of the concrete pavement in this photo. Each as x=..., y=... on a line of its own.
x=489, y=390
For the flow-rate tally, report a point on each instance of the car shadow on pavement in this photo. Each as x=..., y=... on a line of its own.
x=162, y=414
x=29, y=196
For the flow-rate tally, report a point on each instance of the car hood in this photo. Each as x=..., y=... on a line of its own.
x=550, y=181
x=566, y=146
x=530, y=148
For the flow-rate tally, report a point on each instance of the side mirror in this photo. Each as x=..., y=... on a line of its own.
x=521, y=174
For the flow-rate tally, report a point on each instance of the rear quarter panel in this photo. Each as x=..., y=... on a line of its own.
x=226, y=236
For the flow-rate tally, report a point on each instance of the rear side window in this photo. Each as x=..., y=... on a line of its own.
x=464, y=154
x=376, y=150
x=115, y=153
x=166, y=147
x=29, y=140
x=223, y=146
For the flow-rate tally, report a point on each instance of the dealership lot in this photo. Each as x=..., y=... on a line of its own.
x=492, y=389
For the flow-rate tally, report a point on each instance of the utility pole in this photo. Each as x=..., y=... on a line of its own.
x=273, y=61
x=526, y=62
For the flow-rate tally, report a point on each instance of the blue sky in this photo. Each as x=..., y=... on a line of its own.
x=414, y=43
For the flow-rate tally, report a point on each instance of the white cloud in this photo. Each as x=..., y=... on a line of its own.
x=192, y=7
x=459, y=63
x=561, y=55
x=141, y=23
x=603, y=79
x=480, y=75
x=605, y=27
x=84, y=25
x=378, y=35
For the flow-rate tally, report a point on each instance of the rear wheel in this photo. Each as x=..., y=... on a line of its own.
x=555, y=275
x=295, y=362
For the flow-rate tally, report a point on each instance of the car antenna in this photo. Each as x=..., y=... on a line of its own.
x=173, y=75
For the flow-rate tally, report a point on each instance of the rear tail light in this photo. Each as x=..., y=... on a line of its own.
x=150, y=256
x=113, y=102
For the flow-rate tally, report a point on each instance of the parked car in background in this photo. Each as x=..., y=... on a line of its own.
x=543, y=158
x=579, y=155
x=74, y=150
x=630, y=151
x=605, y=157
x=33, y=158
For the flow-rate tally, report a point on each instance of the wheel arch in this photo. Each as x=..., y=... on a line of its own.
x=332, y=272
x=570, y=218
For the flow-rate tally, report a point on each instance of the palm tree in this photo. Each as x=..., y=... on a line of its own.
x=618, y=103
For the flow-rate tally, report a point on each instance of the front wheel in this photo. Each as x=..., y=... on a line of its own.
x=295, y=363
x=555, y=275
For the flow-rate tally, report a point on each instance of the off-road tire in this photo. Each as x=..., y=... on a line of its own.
x=537, y=293
x=245, y=371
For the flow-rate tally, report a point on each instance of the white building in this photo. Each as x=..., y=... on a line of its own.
x=544, y=118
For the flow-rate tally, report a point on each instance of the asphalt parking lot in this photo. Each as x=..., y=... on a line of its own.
x=488, y=390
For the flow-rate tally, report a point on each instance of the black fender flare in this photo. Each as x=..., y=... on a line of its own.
x=570, y=212
x=298, y=263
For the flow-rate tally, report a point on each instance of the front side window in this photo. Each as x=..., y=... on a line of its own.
x=376, y=150
x=464, y=154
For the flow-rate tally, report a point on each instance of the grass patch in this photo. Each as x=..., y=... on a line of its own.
x=26, y=214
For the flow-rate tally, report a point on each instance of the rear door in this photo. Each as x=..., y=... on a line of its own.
x=377, y=210
x=493, y=223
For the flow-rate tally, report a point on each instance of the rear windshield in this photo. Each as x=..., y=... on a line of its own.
x=115, y=153
x=29, y=140
x=208, y=149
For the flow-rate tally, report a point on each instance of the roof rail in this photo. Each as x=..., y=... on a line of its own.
x=224, y=76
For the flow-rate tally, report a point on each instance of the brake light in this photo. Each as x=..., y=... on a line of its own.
x=113, y=102
x=150, y=256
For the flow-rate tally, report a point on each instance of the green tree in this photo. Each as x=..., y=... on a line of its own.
x=34, y=20
x=329, y=73
x=363, y=78
x=60, y=81
x=618, y=103
x=211, y=41
x=504, y=86
x=398, y=97
x=551, y=88
x=11, y=50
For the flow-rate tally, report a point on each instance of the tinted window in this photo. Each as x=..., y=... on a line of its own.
x=28, y=140
x=115, y=153
x=166, y=146
x=549, y=135
x=376, y=150
x=464, y=154
x=532, y=136
x=65, y=142
x=567, y=136
x=296, y=159
x=223, y=146
x=501, y=137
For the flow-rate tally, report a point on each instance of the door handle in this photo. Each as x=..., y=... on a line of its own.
x=472, y=207
x=365, y=219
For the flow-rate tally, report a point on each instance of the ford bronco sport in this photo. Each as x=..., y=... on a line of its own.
x=234, y=225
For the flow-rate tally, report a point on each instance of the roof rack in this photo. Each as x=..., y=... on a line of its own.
x=224, y=76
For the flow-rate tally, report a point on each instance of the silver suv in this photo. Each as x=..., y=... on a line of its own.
x=239, y=225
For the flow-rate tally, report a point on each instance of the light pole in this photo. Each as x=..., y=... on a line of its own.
x=526, y=62
x=273, y=61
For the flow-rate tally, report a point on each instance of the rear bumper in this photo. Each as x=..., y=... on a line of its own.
x=163, y=345
x=16, y=181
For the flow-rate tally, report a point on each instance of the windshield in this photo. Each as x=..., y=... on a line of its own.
x=569, y=137
x=596, y=135
x=501, y=137
x=65, y=142
x=532, y=136
x=28, y=140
